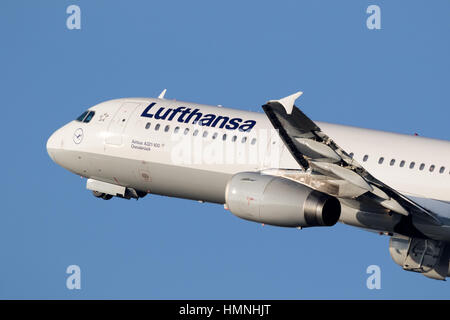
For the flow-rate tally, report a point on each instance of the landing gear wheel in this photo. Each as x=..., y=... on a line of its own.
x=102, y=195
x=106, y=196
x=98, y=194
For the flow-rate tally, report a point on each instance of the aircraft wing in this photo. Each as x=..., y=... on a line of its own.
x=317, y=153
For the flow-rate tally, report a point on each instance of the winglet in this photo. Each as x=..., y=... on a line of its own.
x=288, y=102
x=162, y=94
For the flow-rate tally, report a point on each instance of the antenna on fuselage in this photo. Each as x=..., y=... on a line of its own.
x=162, y=94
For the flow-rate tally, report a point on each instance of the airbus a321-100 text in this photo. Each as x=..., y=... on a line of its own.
x=278, y=168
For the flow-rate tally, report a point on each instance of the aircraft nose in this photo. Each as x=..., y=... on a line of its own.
x=53, y=144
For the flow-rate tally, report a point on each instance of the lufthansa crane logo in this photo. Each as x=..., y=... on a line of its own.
x=78, y=136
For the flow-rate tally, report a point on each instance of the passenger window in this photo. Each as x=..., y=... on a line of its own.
x=380, y=161
x=214, y=135
x=147, y=126
x=195, y=132
x=412, y=164
x=176, y=130
x=89, y=117
x=351, y=155
x=244, y=139
x=441, y=170
x=166, y=128
x=82, y=116
x=392, y=162
x=366, y=157
x=224, y=137
x=253, y=141
x=422, y=165
x=205, y=134
x=402, y=163
x=432, y=168
x=234, y=138
x=157, y=127
x=186, y=131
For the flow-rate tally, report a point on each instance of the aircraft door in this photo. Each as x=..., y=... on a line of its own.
x=119, y=123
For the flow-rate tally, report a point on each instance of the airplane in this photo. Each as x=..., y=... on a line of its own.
x=276, y=167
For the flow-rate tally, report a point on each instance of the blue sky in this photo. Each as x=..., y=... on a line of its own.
x=235, y=53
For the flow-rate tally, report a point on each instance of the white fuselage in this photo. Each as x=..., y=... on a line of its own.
x=125, y=144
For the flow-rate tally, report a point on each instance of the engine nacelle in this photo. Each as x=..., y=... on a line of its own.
x=429, y=257
x=279, y=201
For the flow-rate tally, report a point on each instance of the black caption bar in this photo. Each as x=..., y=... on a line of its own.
x=220, y=309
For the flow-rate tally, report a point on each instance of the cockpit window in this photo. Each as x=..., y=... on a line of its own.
x=89, y=116
x=83, y=115
x=86, y=116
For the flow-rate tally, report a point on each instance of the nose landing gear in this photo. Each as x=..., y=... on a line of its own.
x=107, y=190
x=102, y=195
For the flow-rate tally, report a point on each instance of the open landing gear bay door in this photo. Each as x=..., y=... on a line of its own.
x=319, y=155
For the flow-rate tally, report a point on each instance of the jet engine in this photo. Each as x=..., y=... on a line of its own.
x=426, y=256
x=279, y=201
